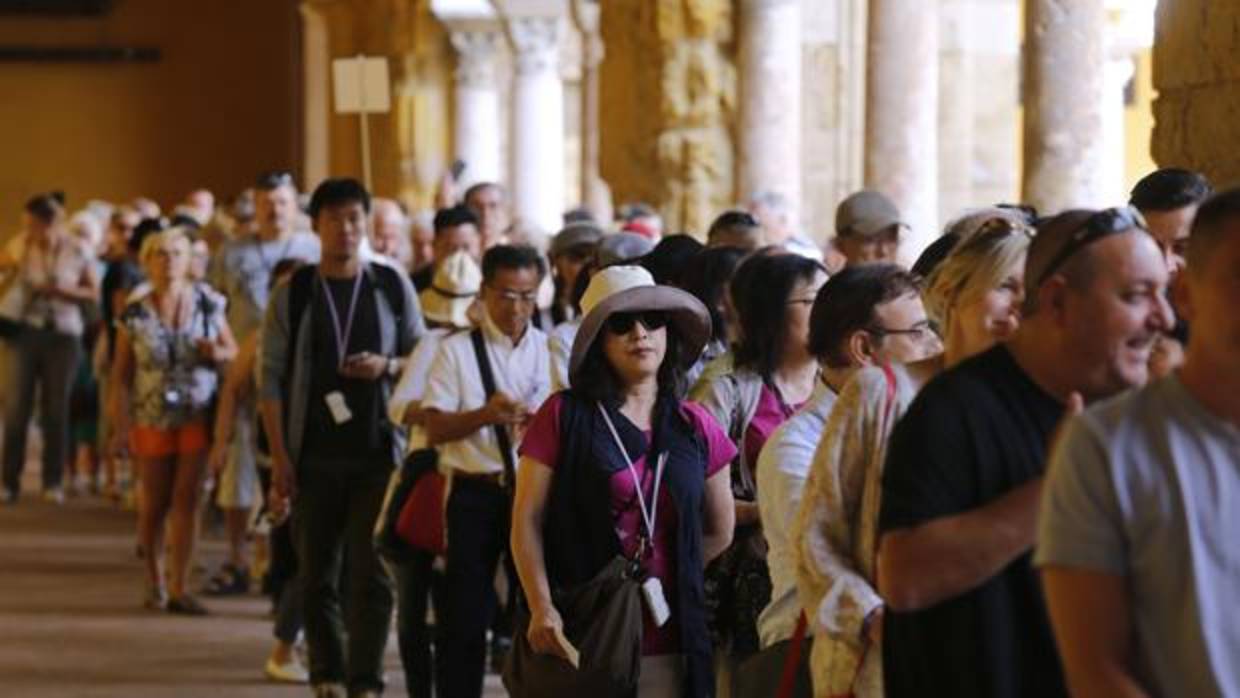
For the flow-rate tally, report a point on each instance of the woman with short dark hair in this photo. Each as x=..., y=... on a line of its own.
x=621, y=465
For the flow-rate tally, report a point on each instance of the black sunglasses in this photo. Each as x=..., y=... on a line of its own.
x=1105, y=223
x=622, y=323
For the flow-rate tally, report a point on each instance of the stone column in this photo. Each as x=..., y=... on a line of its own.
x=901, y=134
x=537, y=123
x=1064, y=96
x=476, y=128
x=594, y=191
x=769, y=83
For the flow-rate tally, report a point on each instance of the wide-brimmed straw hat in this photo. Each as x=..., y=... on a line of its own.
x=629, y=289
x=452, y=290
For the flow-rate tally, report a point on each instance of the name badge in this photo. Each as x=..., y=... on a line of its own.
x=338, y=407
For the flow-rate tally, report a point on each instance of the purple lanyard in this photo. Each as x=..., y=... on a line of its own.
x=342, y=334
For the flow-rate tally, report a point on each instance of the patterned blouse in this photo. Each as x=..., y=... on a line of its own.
x=172, y=385
x=837, y=529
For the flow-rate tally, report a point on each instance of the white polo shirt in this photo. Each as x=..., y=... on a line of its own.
x=522, y=371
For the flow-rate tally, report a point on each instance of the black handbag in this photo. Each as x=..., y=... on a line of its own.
x=603, y=620
x=784, y=666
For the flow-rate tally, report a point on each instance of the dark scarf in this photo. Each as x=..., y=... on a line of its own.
x=579, y=534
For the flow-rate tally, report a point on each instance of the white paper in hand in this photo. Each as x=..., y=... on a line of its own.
x=570, y=652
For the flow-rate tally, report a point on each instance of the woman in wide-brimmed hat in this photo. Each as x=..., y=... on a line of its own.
x=620, y=464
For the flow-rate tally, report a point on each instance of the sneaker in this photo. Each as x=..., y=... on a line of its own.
x=330, y=690
x=289, y=672
x=8, y=496
x=186, y=605
x=54, y=495
x=156, y=598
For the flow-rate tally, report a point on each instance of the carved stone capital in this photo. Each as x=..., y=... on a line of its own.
x=475, y=57
x=536, y=43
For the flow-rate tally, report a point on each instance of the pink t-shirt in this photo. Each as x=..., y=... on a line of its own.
x=771, y=413
x=542, y=443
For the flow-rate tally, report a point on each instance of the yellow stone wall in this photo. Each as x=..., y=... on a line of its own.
x=1197, y=76
x=667, y=103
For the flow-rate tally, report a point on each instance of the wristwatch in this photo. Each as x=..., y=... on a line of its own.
x=393, y=367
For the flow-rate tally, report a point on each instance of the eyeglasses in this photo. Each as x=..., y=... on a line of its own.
x=800, y=301
x=274, y=180
x=1111, y=221
x=623, y=323
x=522, y=297
x=921, y=332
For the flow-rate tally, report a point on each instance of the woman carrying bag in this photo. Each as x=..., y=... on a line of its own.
x=622, y=497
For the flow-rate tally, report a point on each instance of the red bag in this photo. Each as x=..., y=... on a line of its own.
x=422, y=522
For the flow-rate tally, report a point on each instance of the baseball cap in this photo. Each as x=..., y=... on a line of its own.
x=865, y=213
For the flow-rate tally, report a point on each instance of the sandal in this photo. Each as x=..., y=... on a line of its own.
x=186, y=605
x=156, y=598
x=229, y=581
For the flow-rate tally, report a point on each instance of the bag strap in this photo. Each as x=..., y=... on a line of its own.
x=488, y=385
x=788, y=678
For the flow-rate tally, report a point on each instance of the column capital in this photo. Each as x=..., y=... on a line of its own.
x=536, y=43
x=476, y=50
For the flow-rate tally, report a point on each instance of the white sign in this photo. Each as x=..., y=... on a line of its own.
x=361, y=85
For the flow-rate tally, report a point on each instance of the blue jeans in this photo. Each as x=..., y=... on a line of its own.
x=46, y=360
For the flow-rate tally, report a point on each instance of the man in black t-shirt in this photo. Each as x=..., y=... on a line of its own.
x=964, y=469
x=332, y=341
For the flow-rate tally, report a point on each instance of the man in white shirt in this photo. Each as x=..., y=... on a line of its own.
x=468, y=428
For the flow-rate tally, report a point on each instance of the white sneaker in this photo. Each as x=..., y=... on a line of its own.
x=54, y=495
x=290, y=672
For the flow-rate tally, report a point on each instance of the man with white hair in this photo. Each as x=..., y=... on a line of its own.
x=774, y=214
x=388, y=226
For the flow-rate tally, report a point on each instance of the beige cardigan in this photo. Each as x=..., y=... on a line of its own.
x=837, y=528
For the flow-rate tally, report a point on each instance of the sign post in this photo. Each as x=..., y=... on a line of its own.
x=362, y=87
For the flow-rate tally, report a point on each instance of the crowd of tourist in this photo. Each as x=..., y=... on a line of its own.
x=616, y=461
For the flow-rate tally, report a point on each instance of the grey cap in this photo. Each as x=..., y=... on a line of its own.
x=866, y=213
x=622, y=247
x=573, y=235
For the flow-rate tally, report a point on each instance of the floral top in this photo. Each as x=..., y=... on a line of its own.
x=172, y=385
x=838, y=526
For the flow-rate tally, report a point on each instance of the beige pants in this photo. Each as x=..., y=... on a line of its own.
x=662, y=676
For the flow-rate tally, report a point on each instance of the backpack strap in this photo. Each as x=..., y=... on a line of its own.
x=488, y=385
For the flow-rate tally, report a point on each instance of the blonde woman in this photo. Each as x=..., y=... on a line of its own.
x=171, y=340
x=974, y=297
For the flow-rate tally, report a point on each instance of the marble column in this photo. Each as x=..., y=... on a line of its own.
x=476, y=128
x=538, y=159
x=316, y=99
x=902, y=96
x=1064, y=143
x=957, y=112
x=769, y=81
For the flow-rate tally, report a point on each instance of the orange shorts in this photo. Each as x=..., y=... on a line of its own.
x=153, y=442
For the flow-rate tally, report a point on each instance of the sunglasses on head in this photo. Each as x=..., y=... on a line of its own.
x=622, y=323
x=1105, y=223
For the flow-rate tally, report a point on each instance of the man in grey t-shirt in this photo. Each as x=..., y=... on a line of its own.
x=1142, y=506
x=242, y=269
